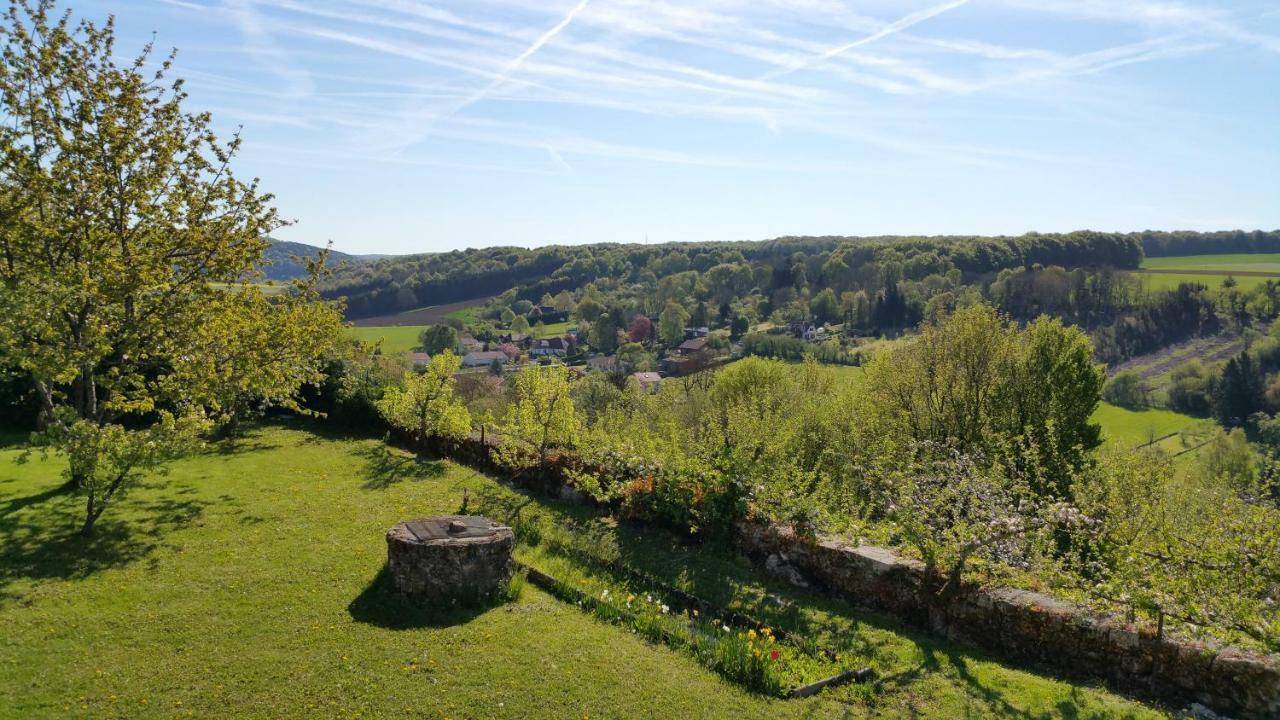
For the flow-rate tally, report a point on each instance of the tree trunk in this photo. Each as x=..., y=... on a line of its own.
x=92, y=511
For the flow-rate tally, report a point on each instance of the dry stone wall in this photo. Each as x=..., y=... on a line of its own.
x=1030, y=626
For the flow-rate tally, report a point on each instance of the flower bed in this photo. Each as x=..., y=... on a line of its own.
x=754, y=656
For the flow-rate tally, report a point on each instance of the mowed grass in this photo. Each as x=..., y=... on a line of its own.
x=549, y=330
x=249, y=583
x=394, y=339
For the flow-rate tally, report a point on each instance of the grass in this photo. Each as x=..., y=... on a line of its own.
x=395, y=339
x=1210, y=270
x=550, y=329
x=1131, y=428
x=1170, y=281
x=249, y=583
x=1242, y=262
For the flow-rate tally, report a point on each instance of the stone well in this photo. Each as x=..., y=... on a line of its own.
x=449, y=557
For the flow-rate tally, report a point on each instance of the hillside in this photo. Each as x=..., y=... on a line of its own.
x=250, y=586
x=286, y=260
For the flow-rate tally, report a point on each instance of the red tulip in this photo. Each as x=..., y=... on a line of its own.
x=773, y=655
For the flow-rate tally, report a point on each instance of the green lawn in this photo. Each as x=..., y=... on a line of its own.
x=551, y=329
x=395, y=339
x=249, y=583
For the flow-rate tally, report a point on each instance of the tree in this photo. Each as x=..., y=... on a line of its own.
x=635, y=357
x=127, y=246
x=976, y=383
x=435, y=339
x=507, y=317
x=1238, y=391
x=520, y=325
x=542, y=418
x=605, y=330
x=671, y=323
x=424, y=404
x=640, y=330
x=1126, y=390
x=824, y=307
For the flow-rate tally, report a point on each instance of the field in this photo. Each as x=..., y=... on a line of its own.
x=1267, y=263
x=395, y=339
x=1170, y=280
x=249, y=583
x=1248, y=270
x=1134, y=428
x=551, y=329
x=430, y=315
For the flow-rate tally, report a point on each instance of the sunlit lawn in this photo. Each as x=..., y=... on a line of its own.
x=395, y=339
x=247, y=583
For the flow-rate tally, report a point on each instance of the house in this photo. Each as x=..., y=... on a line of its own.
x=484, y=358
x=696, y=332
x=648, y=381
x=815, y=334
x=607, y=363
x=549, y=347
x=693, y=347
x=419, y=360
x=468, y=344
x=517, y=339
x=675, y=365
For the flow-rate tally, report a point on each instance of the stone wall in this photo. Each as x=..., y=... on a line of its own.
x=1023, y=626
x=1030, y=627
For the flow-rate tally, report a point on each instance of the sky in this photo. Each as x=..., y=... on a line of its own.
x=399, y=126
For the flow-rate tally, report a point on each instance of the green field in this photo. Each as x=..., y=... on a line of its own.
x=1248, y=270
x=395, y=339
x=1170, y=280
x=249, y=583
x=551, y=330
x=1131, y=428
x=1260, y=262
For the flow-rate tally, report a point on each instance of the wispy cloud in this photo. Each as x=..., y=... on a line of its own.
x=267, y=53
x=892, y=28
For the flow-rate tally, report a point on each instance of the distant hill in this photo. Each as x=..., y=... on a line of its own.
x=282, y=265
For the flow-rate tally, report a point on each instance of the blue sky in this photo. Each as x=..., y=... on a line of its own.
x=397, y=126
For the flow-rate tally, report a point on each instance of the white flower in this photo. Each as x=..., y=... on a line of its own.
x=665, y=609
x=724, y=628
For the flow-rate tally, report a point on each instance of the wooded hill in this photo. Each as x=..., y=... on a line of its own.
x=401, y=283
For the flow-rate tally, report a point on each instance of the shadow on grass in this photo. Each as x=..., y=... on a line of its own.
x=381, y=605
x=40, y=538
x=385, y=466
x=714, y=571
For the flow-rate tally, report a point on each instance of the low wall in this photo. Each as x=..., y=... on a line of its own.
x=1031, y=627
x=1016, y=624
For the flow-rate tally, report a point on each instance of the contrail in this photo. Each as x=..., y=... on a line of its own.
x=516, y=62
x=896, y=26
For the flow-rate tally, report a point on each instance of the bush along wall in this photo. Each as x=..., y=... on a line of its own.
x=1029, y=626
x=1020, y=625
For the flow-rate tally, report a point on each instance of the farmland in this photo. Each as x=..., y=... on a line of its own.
x=394, y=338
x=420, y=317
x=1248, y=270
